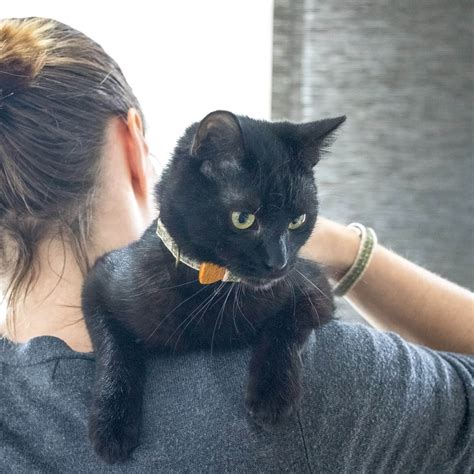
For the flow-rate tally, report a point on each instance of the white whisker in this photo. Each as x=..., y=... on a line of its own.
x=218, y=317
x=233, y=310
x=241, y=288
x=203, y=306
x=314, y=285
x=309, y=300
x=172, y=311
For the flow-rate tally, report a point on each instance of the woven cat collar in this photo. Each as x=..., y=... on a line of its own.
x=208, y=272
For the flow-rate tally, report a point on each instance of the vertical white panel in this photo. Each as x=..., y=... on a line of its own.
x=183, y=58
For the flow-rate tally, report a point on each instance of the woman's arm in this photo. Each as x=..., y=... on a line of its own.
x=395, y=294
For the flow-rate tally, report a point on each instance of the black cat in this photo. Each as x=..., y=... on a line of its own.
x=218, y=268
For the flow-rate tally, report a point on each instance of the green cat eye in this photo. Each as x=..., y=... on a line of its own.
x=298, y=222
x=242, y=220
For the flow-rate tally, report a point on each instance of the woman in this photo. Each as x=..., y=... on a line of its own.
x=76, y=181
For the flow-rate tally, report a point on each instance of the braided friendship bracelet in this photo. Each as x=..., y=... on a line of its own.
x=368, y=241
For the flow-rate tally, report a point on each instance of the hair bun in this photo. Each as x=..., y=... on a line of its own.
x=23, y=52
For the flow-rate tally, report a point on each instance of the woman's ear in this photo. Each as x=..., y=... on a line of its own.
x=137, y=154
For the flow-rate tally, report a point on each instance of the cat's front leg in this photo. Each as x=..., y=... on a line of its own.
x=274, y=387
x=115, y=413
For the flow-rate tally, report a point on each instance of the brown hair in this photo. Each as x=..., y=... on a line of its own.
x=58, y=90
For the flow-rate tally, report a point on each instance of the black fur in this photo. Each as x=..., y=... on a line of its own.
x=137, y=299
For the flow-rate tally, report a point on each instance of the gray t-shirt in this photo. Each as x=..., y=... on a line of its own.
x=372, y=403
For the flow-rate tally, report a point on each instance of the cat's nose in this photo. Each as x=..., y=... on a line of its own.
x=276, y=257
x=275, y=265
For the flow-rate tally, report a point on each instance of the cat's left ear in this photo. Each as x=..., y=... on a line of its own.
x=315, y=136
x=218, y=137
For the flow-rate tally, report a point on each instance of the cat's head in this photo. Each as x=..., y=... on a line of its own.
x=240, y=192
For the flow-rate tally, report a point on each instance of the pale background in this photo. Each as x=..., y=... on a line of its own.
x=183, y=58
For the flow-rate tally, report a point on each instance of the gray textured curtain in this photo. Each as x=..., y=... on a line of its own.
x=402, y=73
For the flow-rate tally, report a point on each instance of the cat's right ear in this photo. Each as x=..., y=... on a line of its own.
x=218, y=137
x=315, y=137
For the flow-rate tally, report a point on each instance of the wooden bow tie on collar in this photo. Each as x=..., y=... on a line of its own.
x=208, y=272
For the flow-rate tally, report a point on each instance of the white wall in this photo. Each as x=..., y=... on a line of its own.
x=183, y=58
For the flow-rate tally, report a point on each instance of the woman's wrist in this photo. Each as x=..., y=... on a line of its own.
x=332, y=245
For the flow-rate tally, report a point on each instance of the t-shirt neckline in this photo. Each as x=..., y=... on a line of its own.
x=37, y=350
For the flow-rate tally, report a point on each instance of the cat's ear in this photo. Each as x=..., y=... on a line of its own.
x=313, y=137
x=218, y=136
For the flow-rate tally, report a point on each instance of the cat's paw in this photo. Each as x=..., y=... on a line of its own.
x=269, y=405
x=113, y=440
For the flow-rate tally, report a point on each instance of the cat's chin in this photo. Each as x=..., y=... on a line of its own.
x=261, y=284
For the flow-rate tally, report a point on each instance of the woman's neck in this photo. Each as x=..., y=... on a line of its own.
x=53, y=306
x=125, y=208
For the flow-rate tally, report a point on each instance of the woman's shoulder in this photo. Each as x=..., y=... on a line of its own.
x=370, y=400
